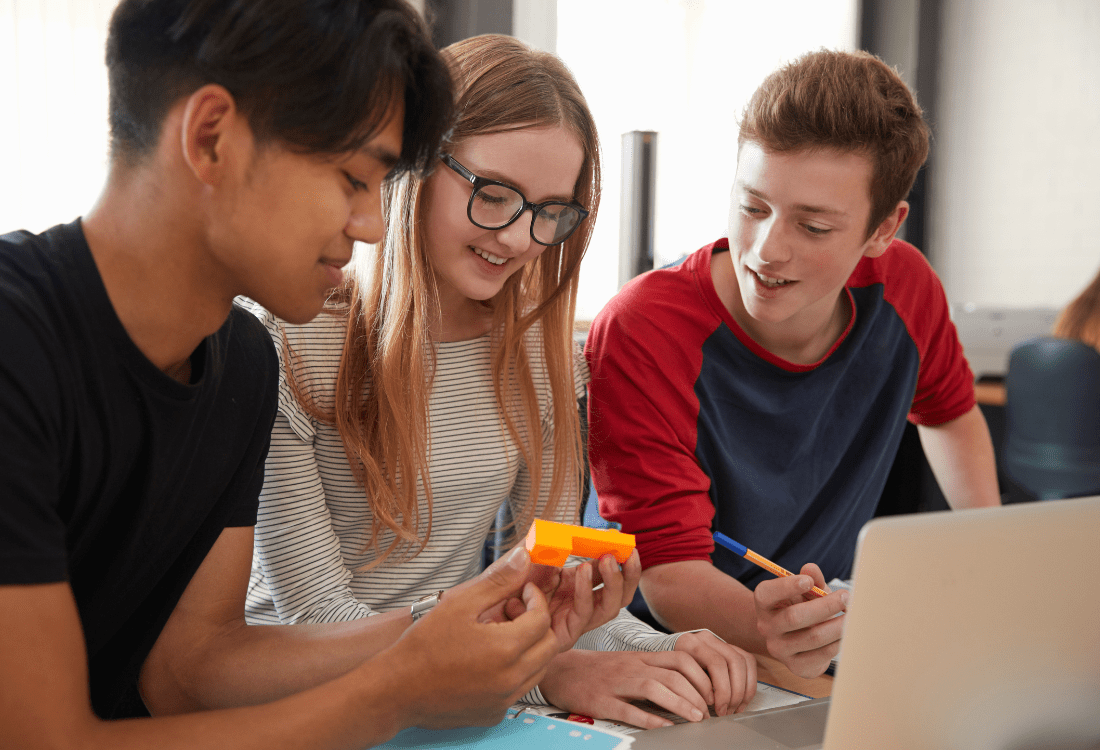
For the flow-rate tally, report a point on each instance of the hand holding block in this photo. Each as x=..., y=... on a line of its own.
x=551, y=543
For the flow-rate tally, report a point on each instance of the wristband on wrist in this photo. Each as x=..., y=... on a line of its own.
x=424, y=604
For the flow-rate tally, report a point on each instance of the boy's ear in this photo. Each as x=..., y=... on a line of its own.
x=886, y=231
x=207, y=132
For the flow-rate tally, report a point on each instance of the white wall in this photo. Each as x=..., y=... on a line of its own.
x=53, y=133
x=536, y=22
x=1015, y=189
x=1014, y=193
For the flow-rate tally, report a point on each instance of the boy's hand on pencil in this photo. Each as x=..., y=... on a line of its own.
x=800, y=630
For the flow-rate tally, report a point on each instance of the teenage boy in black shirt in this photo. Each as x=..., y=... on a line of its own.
x=250, y=143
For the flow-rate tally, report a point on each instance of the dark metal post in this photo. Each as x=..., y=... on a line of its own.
x=455, y=20
x=637, y=210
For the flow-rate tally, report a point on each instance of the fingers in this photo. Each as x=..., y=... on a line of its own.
x=685, y=660
x=664, y=684
x=479, y=668
x=528, y=640
x=584, y=600
x=546, y=577
x=775, y=592
x=691, y=708
x=497, y=583
x=534, y=623
x=576, y=608
x=811, y=647
x=808, y=651
x=685, y=679
x=602, y=684
x=572, y=606
x=610, y=599
x=632, y=574
x=492, y=595
x=814, y=572
x=714, y=668
x=810, y=664
x=803, y=634
x=535, y=607
x=806, y=614
x=623, y=577
x=731, y=672
x=628, y=713
x=750, y=680
x=742, y=681
x=513, y=608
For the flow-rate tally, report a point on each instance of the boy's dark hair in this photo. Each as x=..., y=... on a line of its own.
x=845, y=101
x=314, y=75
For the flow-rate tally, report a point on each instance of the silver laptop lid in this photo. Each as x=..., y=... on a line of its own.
x=973, y=629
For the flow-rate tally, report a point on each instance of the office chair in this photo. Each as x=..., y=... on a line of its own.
x=1052, y=437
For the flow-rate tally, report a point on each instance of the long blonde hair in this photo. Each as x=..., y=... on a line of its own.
x=1081, y=318
x=384, y=381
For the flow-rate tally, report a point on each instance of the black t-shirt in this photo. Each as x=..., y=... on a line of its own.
x=115, y=477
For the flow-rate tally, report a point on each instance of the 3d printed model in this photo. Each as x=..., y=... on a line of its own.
x=552, y=543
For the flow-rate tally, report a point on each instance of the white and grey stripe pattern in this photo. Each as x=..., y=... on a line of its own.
x=314, y=520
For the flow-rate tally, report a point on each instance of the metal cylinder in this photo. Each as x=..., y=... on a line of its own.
x=639, y=180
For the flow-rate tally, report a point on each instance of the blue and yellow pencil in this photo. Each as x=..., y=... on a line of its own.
x=763, y=562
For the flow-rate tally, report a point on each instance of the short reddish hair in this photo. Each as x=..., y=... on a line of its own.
x=844, y=101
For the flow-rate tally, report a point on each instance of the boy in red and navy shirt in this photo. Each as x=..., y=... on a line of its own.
x=760, y=388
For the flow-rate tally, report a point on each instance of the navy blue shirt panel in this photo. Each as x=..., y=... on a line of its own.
x=821, y=442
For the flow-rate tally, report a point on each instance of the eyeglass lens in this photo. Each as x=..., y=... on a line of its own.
x=493, y=206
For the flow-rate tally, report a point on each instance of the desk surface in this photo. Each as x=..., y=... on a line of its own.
x=990, y=394
x=773, y=672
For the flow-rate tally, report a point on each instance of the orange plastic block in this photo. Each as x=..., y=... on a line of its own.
x=551, y=543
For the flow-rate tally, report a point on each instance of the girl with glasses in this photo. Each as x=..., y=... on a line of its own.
x=443, y=384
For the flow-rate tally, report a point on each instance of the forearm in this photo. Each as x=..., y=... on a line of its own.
x=694, y=594
x=44, y=701
x=359, y=710
x=251, y=664
x=960, y=453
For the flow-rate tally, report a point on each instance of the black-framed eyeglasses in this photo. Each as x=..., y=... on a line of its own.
x=494, y=205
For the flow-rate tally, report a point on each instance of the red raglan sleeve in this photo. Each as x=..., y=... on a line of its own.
x=945, y=385
x=644, y=353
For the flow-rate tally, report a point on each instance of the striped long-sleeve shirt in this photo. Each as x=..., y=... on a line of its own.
x=314, y=519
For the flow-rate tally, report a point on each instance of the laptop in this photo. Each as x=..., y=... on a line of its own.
x=975, y=629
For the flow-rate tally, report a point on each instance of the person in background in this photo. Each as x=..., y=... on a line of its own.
x=760, y=387
x=443, y=381
x=1081, y=318
x=250, y=143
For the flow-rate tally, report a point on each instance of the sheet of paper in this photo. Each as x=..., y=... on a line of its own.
x=767, y=696
x=835, y=584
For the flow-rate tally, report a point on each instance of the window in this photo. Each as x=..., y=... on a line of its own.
x=53, y=135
